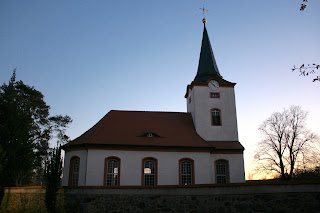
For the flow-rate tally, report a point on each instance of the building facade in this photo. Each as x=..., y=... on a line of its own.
x=135, y=148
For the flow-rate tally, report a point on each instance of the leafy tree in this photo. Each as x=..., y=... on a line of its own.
x=307, y=174
x=2, y=153
x=25, y=130
x=52, y=177
x=286, y=143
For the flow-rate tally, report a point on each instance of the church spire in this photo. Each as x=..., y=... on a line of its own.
x=207, y=64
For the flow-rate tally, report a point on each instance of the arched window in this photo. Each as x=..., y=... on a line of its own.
x=186, y=171
x=112, y=171
x=74, y=171
x=149, y=172
x=222, y=171
x=216, y=117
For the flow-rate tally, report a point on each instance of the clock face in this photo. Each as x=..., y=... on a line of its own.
x=213, y=85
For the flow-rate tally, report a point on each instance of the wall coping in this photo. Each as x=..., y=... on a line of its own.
x=260, y=187
x=247, y=183
x=25, y=187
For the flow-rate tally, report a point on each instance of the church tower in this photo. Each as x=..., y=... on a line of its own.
x=211, y=99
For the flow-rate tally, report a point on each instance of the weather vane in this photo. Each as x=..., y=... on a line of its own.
x=204, y=20
x=203, y=11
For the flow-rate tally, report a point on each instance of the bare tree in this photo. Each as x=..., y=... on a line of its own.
x=303, y=5
x=308, y=70
x=286, y=142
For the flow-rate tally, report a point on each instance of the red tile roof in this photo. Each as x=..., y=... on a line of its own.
x=129, y=128
x=227, y=145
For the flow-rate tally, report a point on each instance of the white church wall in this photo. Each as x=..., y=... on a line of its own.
x=236, y=166
x=190, y=103
x=82, y=154
x=131, y=166
x=228, y=131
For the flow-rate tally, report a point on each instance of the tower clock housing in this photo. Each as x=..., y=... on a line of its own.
x=211, y=99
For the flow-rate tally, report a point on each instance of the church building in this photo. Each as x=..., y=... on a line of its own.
x=140, y=148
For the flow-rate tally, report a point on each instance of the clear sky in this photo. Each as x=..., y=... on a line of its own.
x=89, y=57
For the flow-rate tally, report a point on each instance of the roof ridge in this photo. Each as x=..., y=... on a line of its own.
x=149, y=111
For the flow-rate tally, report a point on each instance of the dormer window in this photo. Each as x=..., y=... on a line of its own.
x=150, y=135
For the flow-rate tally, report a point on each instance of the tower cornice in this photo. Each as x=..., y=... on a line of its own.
x=205, y=84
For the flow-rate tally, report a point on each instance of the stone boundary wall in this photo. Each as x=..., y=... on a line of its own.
x=248, y=197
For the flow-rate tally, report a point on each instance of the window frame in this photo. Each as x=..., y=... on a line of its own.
x=226, y=162
x=214, y=93
x=220, y=119
x=71, y=170
x=155, y=171
x=192, y=171
x=106, y=170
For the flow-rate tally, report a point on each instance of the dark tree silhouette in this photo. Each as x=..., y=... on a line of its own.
x=310, y=69
x=303, y=5
x=52, y=177
x=25, y=130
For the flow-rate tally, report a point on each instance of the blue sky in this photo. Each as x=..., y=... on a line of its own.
x=89, y=57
